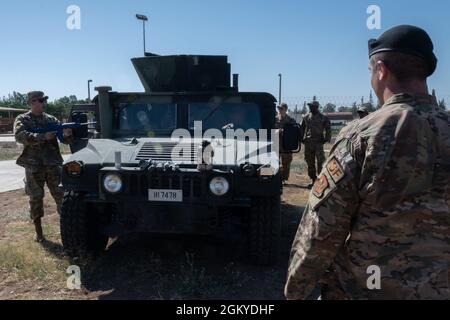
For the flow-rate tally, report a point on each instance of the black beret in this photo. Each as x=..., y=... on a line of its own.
x=406, y=39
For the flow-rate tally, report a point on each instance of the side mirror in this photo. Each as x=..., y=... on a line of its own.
x=291, y=137
x=80, y=135
x=83, y=131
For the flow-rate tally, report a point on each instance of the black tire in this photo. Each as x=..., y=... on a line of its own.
x=79, y=230
x=264, y=230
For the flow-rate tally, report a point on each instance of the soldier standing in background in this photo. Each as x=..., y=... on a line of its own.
x=363, y=112
x=317, y=132
x=286, y=157
x=41, y=157
x=377, y=224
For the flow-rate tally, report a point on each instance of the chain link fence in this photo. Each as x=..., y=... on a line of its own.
x=343, y=103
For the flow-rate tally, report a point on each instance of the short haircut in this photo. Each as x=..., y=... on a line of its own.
x=404, y=67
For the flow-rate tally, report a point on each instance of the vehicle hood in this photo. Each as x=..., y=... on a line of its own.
x=226, y=152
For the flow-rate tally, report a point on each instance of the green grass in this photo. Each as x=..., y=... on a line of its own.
x=26, y=262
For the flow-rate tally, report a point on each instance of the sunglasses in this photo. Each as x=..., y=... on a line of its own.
x=40, y=100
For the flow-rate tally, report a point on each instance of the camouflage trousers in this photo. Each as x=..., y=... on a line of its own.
x=331, y=288
x=36, y=178
x=286, y=160
x=314, y=151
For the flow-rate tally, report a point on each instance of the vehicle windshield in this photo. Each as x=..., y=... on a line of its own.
x=146, y=119
x=225, y=116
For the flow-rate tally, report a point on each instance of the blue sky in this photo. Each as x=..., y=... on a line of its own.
x=319, y=46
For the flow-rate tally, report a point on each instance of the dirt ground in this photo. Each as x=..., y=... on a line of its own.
x=12, y=151
x=140, y=267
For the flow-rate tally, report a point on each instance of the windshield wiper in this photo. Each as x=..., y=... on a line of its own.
x=209, y=115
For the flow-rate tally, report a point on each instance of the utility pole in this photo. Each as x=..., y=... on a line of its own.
x=279, y=88
x=143, y=19
x=89, y=90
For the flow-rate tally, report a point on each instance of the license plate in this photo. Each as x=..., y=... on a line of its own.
x=165, y=195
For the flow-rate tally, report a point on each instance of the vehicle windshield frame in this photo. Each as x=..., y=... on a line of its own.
x=119, y=131
x=265, y=103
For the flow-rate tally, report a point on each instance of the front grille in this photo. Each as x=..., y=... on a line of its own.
x=184, y=152
x=139, y=184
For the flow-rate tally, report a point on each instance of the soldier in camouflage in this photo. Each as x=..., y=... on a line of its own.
x=317, y=132
x=281, y=120
x=41, y=157
x=363, y=112
x=382, y=201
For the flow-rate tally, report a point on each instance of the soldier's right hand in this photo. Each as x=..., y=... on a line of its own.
x=50, y=136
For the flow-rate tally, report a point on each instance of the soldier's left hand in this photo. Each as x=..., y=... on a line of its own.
x=67, y=132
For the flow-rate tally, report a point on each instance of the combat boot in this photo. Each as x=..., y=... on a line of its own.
x=39, y=233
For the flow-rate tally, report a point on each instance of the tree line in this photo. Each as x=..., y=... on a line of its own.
x=59, y=108
x=370, y=105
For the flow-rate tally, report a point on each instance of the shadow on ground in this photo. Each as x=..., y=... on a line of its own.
x=185, y=267
x=55, y=249
x=298, y=186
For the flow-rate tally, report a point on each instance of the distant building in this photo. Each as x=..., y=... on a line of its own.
x=337, y=119
x=340, y=119
x=7, y=117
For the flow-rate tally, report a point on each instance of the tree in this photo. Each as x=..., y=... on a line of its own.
x=369, y=106
x=304, y=109
x=59, y=108
x=329, y=108
x=15, y=100
x=379, y=105
x=354, y=108
x=442, y=104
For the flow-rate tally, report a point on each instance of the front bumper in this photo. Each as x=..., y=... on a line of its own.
x=200, y=212
x=193, y=184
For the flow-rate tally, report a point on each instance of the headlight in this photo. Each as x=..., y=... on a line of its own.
x=74, y=168
x=112, y=183
x=219, y=186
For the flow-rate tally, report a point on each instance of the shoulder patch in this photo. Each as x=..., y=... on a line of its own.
x=335, y=170
x=320, y=186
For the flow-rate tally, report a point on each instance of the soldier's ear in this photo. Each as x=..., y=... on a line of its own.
x=382, y=70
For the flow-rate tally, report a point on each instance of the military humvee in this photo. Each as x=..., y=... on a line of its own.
x=131, y=180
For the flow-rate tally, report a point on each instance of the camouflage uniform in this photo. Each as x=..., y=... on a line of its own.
x=313, y=127
x=41, y=159
x=286, y=157
x=382, y=199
